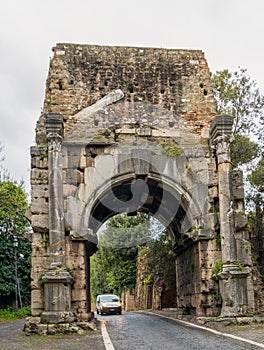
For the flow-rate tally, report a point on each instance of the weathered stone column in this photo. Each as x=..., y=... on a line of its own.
x=57, y=281
x=221, y=131
x=233, y=287
x=54, y=129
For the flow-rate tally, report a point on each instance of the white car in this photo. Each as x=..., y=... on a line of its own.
x=108, y=304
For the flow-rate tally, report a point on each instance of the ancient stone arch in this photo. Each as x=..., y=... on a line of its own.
x=127, y=130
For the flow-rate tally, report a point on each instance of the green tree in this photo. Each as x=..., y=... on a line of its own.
x=256, y=178
x=13, y=225
x=157, y=257
x=113, y=267
x=243, y=150
x=256, y=218
x=237, y=95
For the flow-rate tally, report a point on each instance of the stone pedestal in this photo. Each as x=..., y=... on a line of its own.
x=57, y=296
x=233, y=289
x=57, y=316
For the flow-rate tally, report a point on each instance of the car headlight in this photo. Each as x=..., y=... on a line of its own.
x=118, y=304
x=104, y=305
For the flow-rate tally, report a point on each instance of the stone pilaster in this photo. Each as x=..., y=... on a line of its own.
x=233, y=286
x=226, y=212
x=221, y=134
x=54, y=129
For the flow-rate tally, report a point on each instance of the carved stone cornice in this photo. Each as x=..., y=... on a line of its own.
x=221, y=126
x=54, y=124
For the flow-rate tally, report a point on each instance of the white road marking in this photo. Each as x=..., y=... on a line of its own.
x=107, y=341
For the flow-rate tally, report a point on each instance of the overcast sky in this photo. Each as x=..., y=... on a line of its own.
x=230, y=32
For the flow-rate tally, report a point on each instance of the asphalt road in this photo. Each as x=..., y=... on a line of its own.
x=129, y=331
x=136, y=331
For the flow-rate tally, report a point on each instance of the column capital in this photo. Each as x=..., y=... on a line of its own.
x=222, y=145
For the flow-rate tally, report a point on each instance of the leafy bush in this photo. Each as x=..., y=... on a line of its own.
x=10, y=314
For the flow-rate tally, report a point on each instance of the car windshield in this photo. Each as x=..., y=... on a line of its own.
x=108, y=298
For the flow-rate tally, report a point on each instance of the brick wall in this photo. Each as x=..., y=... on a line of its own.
x=177, y=80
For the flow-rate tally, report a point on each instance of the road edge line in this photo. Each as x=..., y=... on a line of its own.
x=106, y=338
x=252, y=342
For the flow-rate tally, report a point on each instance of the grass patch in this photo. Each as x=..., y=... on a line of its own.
x=10, y=314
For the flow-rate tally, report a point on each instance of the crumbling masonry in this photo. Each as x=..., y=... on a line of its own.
x=135, y=129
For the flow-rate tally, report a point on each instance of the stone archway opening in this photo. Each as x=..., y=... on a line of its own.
x=135, y=261
x=160, y=203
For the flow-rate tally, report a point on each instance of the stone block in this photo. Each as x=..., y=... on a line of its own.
x=40, y=222
x=83, y=163
x=53, y=329
x=74, y=214
x=212, y=221
x=125, y=130
x=105, y=167
x=79, y=306
x=37, y=299
x=33, y=326
x=80, y=282
x=78, y=294
x=243, y=252
x=237, y=178
x=52, y=317
x=39, y=190
x=40, y=206
x=40, y=162
x=69, y=190
x=242, y=235
x=144, y=131
x=159, y=133
x=213, y=178
x=244, y=320
x=74, y=177
x=41, y=263
x=39, y=177
x=240, y=220
x=141, y=161
x=213, y=191
x=238, y=193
